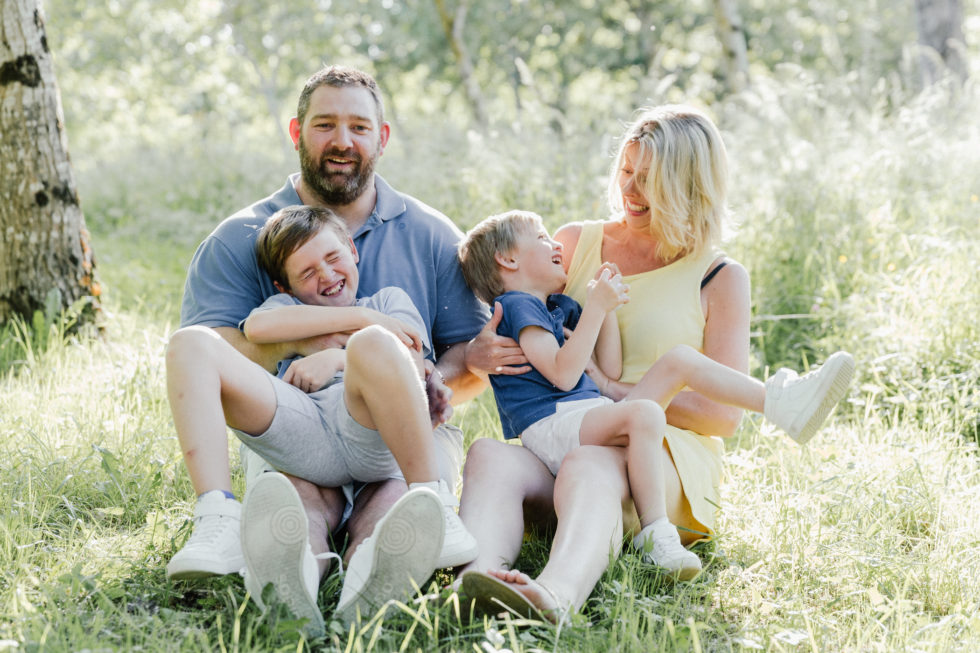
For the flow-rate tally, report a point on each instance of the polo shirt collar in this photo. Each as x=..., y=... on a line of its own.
x=388, y=204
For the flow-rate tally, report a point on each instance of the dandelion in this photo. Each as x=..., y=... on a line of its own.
x=842, y=259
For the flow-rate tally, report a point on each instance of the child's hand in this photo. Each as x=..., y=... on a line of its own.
x=313, y=372
x=404, y=332
x=607, y=291
x=612, y=267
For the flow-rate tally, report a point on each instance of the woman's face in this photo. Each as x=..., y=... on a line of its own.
x=632, y=184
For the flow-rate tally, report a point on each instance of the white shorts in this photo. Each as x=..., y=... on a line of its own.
x=551, y=438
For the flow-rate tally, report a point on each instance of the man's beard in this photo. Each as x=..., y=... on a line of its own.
x=336, y=189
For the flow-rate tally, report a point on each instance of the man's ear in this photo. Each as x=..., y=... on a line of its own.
x=506, y=261
x=353, y=249
x=384, y=133
x=294, y=131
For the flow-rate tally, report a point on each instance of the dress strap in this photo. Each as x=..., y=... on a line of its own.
x=711, y=275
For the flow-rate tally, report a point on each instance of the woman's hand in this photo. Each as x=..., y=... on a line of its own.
x=311, y=373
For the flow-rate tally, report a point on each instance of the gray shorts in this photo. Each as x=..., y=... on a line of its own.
x=314, y=437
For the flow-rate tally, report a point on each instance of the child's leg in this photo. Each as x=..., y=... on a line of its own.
x=210, y=384
x=639, y=426
x=683, y=366
x=383, y=391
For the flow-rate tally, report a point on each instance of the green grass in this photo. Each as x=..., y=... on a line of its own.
x=859, y=227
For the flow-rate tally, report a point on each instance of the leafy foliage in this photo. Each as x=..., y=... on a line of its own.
x=858, y=203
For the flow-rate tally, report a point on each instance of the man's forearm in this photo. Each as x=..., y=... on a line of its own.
x=464, y=384
x=266, y=355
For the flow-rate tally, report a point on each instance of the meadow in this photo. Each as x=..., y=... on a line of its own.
x=859, y=222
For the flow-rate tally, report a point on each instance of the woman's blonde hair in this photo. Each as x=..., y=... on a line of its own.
x=687, y=183
x=477, y=251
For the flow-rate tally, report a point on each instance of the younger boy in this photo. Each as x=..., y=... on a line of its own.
x=510, y=259
x=371, y=425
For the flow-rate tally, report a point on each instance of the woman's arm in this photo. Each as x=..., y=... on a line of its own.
x=609, y=348
x=726, y=305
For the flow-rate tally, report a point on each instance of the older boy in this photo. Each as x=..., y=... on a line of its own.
x=372, y=425
x=510, y=259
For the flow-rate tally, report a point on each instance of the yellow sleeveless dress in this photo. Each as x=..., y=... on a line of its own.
x=664, y=310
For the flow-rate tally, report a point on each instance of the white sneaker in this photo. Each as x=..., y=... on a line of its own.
x=397, y=558
x=800, y=404
x=213, y=548
x=276, y=545
x=458, y=545
x=661, y=546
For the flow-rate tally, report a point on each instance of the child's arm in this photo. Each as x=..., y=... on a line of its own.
x=285, y=323
x=564, y=365
x=609, y=348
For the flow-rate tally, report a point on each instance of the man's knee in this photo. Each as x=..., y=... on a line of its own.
x=486, y=461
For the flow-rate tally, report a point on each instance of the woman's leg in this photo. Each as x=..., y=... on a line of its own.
x=590, y=493
x=504, y=486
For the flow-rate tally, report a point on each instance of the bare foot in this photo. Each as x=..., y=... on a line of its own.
x=546, y=601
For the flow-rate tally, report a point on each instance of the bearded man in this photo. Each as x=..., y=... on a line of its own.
x=340, y=133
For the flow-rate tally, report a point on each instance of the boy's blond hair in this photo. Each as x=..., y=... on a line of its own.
x=477, y=252
x=287, y=230
x=687, y=185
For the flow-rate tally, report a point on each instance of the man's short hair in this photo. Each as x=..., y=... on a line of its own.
x=289, y=229
x=338, y=77
x=477, y=251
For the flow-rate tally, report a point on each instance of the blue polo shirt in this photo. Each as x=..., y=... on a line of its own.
x=403, y=243
x=524, y=399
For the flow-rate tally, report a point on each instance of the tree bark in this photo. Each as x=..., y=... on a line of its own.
x=731, y=33
x=453, y=27
x=45, y=250
x=940, y=27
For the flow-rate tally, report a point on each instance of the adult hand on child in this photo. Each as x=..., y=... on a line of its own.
x=489, y=353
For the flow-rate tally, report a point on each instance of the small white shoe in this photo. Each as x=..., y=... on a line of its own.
x=275, y=543
x=800, y=404
x=213, y=548
x=661, y=545
x=458, y=545
x=397, y=558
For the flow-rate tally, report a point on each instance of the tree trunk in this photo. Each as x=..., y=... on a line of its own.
x=45, y=251
x=731, y=33
x=940, y=27
x=453, y=27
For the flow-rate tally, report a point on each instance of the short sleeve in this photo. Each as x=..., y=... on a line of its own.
x=219, y=291
x=521, y=310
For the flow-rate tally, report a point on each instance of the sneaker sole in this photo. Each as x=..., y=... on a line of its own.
x=274, y=541
x=408, y=540
x=834, y=388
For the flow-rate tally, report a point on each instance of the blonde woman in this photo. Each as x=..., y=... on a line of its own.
x=667, y=194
